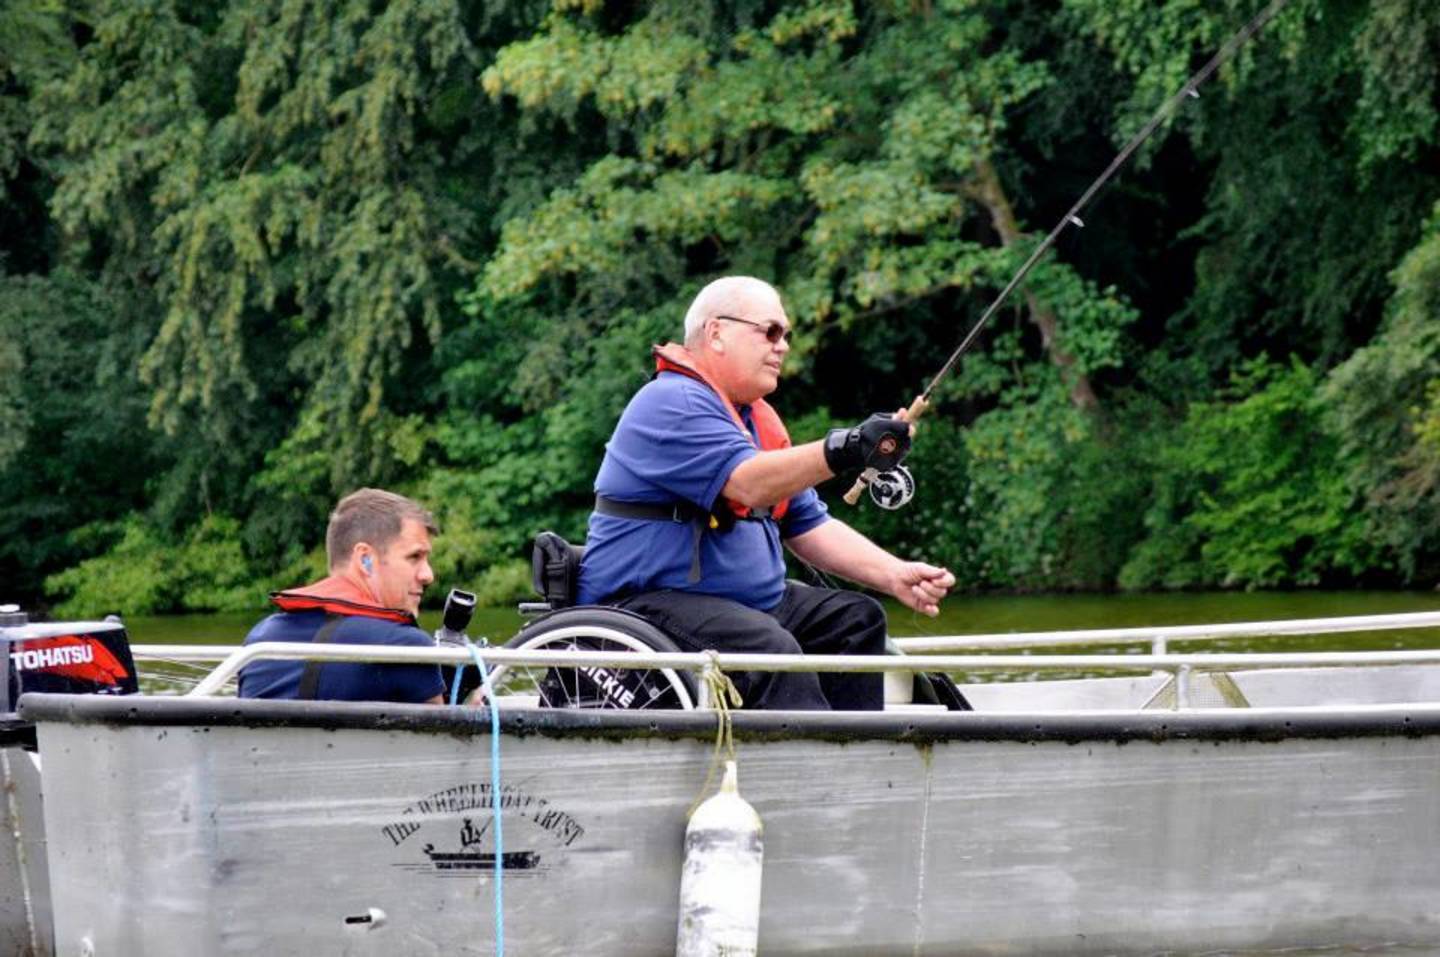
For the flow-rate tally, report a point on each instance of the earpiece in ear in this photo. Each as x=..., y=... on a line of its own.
x=367, y=564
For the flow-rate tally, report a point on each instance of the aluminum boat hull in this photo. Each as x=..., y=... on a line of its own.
x=25, y=928
x=287, y=827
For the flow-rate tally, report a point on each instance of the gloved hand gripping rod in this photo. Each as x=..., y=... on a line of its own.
x=1190, y=89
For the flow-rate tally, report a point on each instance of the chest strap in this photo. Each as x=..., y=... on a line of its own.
x=310, y=677
x=681, y=513
x=677, y=512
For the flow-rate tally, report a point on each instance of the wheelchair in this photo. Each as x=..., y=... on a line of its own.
x=557, y=623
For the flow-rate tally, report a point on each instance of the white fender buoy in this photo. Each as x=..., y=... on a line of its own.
x=720, y=885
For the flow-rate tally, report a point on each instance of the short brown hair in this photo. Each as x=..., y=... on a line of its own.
x=374, y=516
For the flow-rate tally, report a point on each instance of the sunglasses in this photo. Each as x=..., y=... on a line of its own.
x=774, y=331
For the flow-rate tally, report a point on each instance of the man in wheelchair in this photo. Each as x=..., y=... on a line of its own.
x=700, y=487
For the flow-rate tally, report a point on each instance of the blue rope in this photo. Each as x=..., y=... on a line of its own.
x=494, y=788
x=455, y=684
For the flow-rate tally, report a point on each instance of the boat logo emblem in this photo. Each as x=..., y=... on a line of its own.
x=455, y=829
x=70, y=656
x=469, y=856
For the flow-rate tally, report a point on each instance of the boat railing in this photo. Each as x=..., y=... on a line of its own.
x=1159, y=637
x=1181, y=666
x=922, y=654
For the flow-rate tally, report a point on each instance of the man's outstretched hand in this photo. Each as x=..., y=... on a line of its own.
x=920, y=586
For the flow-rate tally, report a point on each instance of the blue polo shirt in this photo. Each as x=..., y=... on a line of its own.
x=676, y=442
x=341, y=681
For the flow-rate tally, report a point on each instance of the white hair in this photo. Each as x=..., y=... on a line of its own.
x=727, y=295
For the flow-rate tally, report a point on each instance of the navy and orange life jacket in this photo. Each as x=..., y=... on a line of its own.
x=673, y=357
x=337, y=595
x=339, y=598
x=771, y=434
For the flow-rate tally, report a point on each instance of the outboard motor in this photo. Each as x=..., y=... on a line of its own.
x=84, y=657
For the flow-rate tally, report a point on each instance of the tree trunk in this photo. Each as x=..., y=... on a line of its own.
x=988, y=191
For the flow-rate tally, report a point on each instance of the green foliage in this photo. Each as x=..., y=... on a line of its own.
x=1051, y=496
x=14, y=416
x=1249, y=493
x=253, y=255
x=1382, y=407
x=606, y=221
x=1399, y=51
x=1427, y=427
x=741, y=136
x=73, y=446
x=144, y=573
x=267, y=167
x=1310, y=133
x=33, y=49
x=1096, y=321
x=505, y=584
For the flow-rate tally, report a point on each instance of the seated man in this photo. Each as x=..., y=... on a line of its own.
x=378, y=544
x=699, y=487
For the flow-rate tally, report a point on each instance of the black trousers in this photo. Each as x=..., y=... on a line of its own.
x=818, y=621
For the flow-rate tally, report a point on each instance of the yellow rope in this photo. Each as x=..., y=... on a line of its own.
x=723, y=696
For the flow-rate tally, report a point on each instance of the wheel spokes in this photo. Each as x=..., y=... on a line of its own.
x=640, y=688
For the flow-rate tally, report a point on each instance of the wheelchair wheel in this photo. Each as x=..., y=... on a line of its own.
x=595, y=629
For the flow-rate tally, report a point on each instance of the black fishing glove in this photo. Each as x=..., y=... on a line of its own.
x=881, y=442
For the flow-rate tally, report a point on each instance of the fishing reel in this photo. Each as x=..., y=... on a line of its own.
x=893, y=489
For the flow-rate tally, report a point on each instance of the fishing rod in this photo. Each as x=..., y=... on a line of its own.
x=894, y=488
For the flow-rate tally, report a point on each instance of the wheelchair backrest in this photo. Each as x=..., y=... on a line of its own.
x=555, y=565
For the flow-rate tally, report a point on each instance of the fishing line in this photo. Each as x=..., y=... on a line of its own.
x=1189, y=90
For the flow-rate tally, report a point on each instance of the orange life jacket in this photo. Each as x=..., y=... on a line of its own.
x=337, y=595
x=673, y=357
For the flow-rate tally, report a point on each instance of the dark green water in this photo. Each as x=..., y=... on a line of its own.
x=967, y=614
